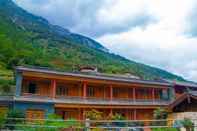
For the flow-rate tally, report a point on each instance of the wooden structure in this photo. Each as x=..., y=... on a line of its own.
x=72, y=94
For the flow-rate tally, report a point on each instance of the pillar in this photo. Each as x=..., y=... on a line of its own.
x=83, y=114
x=53, y=88
x=135, y=114
x=84, y=90
x=153, y=94
x=19, y=79
x=111, y=92
x=134, y=94
x=111, y=112
x=79, y=114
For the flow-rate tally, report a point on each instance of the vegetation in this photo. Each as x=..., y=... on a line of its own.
x=188, y=124
x=165, y=129
x=160, y=114
x=14, y=123
x=94, y=115
x=52, y=123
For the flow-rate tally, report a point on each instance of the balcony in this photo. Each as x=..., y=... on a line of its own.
x=91, y=100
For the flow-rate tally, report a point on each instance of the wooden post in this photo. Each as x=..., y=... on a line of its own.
x=53, y=88
x=84, y=90
x=83, y=114
x=79, y=114
x=153, y=94
x=111, y=92
x=135, y=114
x=111, y=112
x=134, y=94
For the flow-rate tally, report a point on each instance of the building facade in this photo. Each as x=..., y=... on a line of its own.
x=40, y=92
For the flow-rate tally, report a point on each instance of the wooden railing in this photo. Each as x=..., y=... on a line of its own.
x=96, y=100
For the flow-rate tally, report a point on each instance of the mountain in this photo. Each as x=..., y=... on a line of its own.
x=26, y=39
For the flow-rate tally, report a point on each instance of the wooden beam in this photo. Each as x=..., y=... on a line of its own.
x=111, y=92
x=134, y=114
x=53, y=88
x=153, y=94
x=111, y=112
x=84, y=90
x=134, y=94
x=98, y=81
x=107, y=107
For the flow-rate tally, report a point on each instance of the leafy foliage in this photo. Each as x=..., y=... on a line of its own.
x=165, y=129
x=93, y=115
x=161, y=115
x=15, y=114
x=188, y=124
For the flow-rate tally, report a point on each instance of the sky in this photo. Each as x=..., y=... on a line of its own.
x=161, y=33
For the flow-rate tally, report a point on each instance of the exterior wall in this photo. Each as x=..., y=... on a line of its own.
x=75, y=89
x=43, y=86
x=24, y=106
x=18, y=83
x=48, y=85
x=182, y=115
x=188, y=105
x=130, y=114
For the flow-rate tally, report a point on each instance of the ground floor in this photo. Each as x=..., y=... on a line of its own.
x=129, y=114
x=38, y=110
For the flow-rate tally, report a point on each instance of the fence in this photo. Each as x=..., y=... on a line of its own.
x=89, y=125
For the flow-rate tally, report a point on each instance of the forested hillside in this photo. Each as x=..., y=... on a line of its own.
x=26, y=39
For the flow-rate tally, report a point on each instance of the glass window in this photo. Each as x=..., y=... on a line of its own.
x=90, y=92
x=62, y=91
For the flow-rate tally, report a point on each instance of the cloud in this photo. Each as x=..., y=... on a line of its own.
x=89, y=17
x=192, y=24
x=163, y=44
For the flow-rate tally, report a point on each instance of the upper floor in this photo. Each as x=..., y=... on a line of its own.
x=89, y=88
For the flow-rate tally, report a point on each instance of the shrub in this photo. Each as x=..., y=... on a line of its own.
x=188, y=124
x=165, y=129
x=93, y=115
x=3, y=116
x=160, y=114
x=14, y=122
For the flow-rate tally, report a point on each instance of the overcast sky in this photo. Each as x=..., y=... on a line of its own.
x=162, y=33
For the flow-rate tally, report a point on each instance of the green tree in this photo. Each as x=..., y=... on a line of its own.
x=15, y=118
x=188, y=124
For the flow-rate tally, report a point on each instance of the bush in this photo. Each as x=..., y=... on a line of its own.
x=160, y=114
x=53, y=123
x=94, y=115
x=165, y=129
x=3, y=116
x=188, y=124
x=14, y=122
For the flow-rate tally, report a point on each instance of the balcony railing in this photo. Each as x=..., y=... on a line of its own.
x=93, y=100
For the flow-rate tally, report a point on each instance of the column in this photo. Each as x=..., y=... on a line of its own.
x=153, y=94
x=84, y=90
x=19, y=79
x=134, y=94
x=79, y=114
x=83, y=114
x=111, y=112
x=111, y=92
x=135, y=114
x=53, y=88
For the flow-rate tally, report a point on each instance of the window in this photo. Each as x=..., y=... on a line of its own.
x=116, y=92
x=91, y=92
x=32, y=88
x=34, y=114
x=62, y=91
